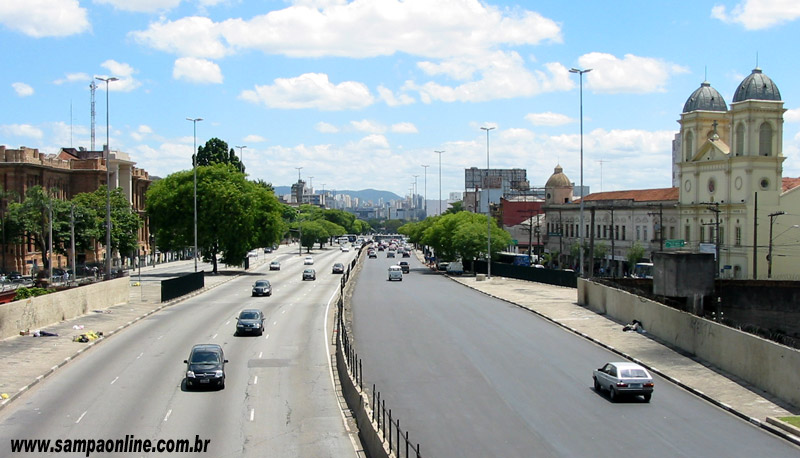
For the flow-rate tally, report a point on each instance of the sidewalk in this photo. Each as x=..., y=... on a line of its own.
x=27, y=360
x=558, y=304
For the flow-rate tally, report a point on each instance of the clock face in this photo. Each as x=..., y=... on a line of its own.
x=712, y=185
x=687, y=185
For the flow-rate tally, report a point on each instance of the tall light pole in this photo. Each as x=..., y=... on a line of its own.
x=108, y=181
x=440, y=180
x=425, y=204
x=581, y=228
x=488, y=211
x=194, y=169
x=241, y=155
x=414, y=197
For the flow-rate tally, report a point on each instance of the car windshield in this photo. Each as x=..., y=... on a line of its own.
x=248, y=316
x=205, y=357
x=262, y=283
x=633, y=373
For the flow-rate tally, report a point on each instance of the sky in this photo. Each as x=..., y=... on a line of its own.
x=360, y=94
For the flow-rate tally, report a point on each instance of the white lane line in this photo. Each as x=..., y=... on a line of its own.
x=252, y=414
x=260, y=354
x=140, y=355
x=169, y=412
x=267, y=337
x=115, y=379
x=160, y=337
x=214, y=336
x=227, y=322
x=274, y=323
x=81, y=417
x=255, y=380
x=283, y=311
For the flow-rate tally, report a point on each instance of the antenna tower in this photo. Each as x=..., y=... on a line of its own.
x=92, y=86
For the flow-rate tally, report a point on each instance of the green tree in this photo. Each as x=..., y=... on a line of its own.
x=455, y=207
x=90, y=215
x=391, y=225
x=635, y=253
x=216, y=151
x=311, y=232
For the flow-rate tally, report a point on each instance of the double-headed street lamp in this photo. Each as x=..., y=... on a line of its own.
x=194, y=168
x=108, y=181
x=425, y=204
x=583, y=197
x=440, y=179
x=241, y=155
x=488, y=211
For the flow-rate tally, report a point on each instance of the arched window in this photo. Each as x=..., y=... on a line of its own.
x=765, y=140
x=738, y=149
x=688, y=147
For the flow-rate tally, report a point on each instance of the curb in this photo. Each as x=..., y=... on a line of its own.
x=754, y=421
x=89, y=345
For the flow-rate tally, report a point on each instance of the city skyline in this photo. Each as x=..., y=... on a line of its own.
x=340, y=89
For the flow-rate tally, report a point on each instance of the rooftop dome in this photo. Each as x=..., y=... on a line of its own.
x=705, y=98
x=558, y=179
x=757, y=86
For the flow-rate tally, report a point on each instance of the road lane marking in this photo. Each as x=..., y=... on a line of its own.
x=81, y=417
x=214, y=336
x=227, y=322
x=260, y=353
x=252, y=414
x=283, y=311
x=140, y=355
x=169, y=412
x=274, y=323
x=267, y=337
x=160, y=337
x=255, y=380
x=115, y=379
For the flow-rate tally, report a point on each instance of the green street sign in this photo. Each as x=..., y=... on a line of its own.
x=674, y=243
x=515, y=242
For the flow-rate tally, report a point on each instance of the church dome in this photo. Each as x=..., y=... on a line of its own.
x=558, y=179
x=705, y=98
x=757, y=86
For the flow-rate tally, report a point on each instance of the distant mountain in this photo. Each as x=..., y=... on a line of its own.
x=364, y=194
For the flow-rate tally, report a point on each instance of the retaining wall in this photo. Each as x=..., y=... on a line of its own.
x=42, y=311
x=760, y=362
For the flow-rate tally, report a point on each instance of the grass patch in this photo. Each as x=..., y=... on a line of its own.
x=794, y=421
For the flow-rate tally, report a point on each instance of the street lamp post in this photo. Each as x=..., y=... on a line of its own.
x=194, y=169
x=108, y=180
x=440, y=180
x=241, y=155
x=488, y=211
x=772, y=217
x=414, y=198
x=581, y=228
x=425, y=204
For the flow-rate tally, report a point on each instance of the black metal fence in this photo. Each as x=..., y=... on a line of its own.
x=548, y=276
x=387, y=426
x=176, y=287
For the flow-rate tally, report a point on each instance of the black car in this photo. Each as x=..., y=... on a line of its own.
x=338, y=268
x=309, y=274
x=404, y=266
x=262, y=288
x=15, y=276
x=250, y=321
x=205, y=366
x=406, y=254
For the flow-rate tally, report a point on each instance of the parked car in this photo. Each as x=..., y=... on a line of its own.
x=205, y=366
x=15, y=276
x=268, y=250
x=395, y=273
x=623, y=378
x=338, y=268
x=442, y=266
x=404, y=266
x=309, y=274
x=275, y=265
x=455, y=268
x=262, y=288
x=250, y=321
x=308, y=261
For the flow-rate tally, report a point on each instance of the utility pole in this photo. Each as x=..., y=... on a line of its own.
x=660, y=224
x=611, y=233
x=772, y=217
x=755, y=237
x=591, y=242
x=714, y=207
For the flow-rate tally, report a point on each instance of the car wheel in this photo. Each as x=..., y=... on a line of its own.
x=270, y=294
x=222, y=385
x=612, y=394
x=597, y=386
x=647, y=397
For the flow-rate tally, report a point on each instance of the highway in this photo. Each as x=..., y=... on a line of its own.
x=279, y=399
x=469, y=375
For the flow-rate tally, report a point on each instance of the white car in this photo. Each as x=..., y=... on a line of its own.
x=395, y=273
x=623, y=378
x=345, y=248
x=308, y=261
x=252, y=254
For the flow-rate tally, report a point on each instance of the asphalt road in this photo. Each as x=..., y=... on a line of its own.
x=279, y=399
x=469, y=375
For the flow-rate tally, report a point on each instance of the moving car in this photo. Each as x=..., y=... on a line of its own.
x=372, y=254
x=390, y=254
x=262, y=288
x=338, y=268
x=275, y=265
x=205, y=366
x=345, y=248
x=252, y=254
x=395, y=273
x=308, y=261
x=309, y=274
x=623, y=378
x=406, y=254
x=250, y=321
x=404, y=266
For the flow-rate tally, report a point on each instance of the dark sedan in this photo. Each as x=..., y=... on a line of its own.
x=262, y=288
x=250, y=321
x=205, y=366
x=338, y=268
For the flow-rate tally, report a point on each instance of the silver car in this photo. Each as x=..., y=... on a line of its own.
x=623, y=378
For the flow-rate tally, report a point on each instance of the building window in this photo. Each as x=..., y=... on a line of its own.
x=623, y=232
x=672, y=232
x=702, y=234
x=644, y=234
x=598, y=231
x=739, y=146
x=687, y=231
x=688, y=146
x=638, y=233
x=765, y=140
x=737, y=236
x=605, y=231
x=721, y=235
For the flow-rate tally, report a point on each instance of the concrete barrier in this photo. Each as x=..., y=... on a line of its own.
x=42, y=311
x=765, y=364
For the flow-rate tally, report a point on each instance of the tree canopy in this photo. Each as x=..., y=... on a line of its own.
x=216, y=151
x=458, y=235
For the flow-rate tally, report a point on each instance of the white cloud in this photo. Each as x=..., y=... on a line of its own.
x=197, y=70
x=357, y=29
x=391, y=100
x=141, y=6
x=141, y=132
x=758, y=14
x=44, y=18
x=253, y=138
x=548, y=119
x=124, y=72
x=74, y=78
x=373, y=142
x=311, y=90
x=22, y=130
x=22, y=89
x=366, y=125
x=632, y=74
x=404, y=128
x=792, y=115
x=326, y=128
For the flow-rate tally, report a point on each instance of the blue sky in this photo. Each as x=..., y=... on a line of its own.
x=361, y=93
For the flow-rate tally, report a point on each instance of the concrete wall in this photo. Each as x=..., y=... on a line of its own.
x=765, y=364
x=40, y=312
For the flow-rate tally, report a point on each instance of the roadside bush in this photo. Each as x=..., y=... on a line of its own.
x=24, y=293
